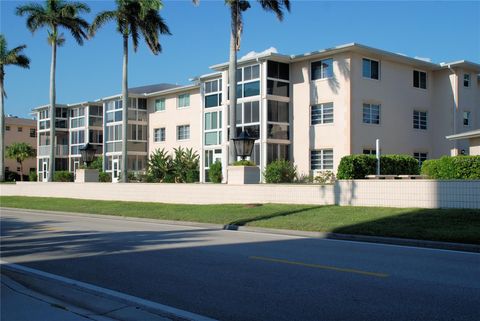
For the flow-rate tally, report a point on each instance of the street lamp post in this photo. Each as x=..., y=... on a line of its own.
x=244, y=144
x=87, y=153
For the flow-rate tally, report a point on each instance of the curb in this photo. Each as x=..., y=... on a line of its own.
x=321, y=235
x=103, y=302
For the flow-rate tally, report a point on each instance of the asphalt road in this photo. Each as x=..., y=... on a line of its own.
x=232, y=275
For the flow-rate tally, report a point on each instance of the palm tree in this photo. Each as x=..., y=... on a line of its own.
x=133, y=17
x=55, y=14
x=20, y=152
x=12, y=57
x=237, y=7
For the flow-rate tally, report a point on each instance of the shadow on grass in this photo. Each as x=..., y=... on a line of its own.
x=242, y=222
x=447, y=225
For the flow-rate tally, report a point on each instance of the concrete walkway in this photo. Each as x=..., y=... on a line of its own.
x=21, y=304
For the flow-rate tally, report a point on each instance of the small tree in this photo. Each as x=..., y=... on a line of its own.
x=20, y=152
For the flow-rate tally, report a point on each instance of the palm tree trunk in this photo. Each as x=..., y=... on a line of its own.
x=2, y=128
x=51, y=164
x=124, y=177
x=232, y=75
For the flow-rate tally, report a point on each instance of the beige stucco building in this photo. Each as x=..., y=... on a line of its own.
x=20, y=130
x=312, y=109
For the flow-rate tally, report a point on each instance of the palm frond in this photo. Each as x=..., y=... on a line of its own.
x=77, y=26
x=153, y=25
x=37, y=15
x=101, y=19
x=276, y=6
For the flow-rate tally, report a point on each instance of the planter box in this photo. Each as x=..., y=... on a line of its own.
x=239, y=175
x=86, y=176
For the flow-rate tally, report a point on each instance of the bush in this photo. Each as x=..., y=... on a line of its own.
x=182, y=168
x=97, y=164
x=359, y=166
x=280, y=171
x=215, y=172
x=32, y=177
x=244, y=163
x=456, y=167
x=159, y=166
x=63, y=176
x=104, y=177
x=325, y=177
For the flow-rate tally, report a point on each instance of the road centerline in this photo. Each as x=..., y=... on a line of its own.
x=319, y=266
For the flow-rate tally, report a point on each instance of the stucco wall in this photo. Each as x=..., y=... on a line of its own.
x=14, y=136
x=387, y=193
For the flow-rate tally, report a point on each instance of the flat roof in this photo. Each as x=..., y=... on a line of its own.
x=470, y=134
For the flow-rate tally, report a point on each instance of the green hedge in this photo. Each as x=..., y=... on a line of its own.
x=280, y=171
x=457, y=167
x=359, y=166
x=63, y=176
x=215, y=172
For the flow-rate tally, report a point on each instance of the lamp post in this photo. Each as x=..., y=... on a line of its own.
x=87, y=153
x=244, y=144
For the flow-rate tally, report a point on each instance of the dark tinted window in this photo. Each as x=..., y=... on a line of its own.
x=278, y=70
x=278, y=88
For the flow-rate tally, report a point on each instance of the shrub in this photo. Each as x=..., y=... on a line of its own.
x=185, y=165
x=244, y=163
x=104, y=177
x=32, y=177
x=325, y=177
x=359, y=166
x=457, y=167
x=159, y=165
x=280, y=171
x=215, y=172
x=63, y=176
x=97, y=164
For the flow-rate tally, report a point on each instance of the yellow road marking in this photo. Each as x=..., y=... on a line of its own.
x=318, y=266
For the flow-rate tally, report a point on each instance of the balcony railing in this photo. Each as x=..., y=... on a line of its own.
x=60, y=150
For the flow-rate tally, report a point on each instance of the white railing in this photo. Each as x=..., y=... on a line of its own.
x=60, y=150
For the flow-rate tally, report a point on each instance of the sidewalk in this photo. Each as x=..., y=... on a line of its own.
x=21, y=304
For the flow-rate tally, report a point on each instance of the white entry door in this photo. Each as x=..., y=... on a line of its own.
x=115, y=171
x=76, y=165
x=45, y=170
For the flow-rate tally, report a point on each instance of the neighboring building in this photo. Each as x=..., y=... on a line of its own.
x=20, y=130
x=312, y=109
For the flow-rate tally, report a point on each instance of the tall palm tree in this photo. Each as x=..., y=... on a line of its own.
x=53, y=15
x=12, y=57
x=237, y=7
x=133, y=17
x=20, y=152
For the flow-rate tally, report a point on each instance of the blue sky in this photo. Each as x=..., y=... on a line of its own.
x=441, y=31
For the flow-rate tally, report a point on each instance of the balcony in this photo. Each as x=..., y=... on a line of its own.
x=61, y=150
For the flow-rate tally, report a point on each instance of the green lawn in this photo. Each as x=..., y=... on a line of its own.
x=451, y=225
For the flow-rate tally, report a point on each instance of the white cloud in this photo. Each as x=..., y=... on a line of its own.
x=253, y=54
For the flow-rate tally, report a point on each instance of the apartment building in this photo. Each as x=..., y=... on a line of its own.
x=312, y=109
x=20, y=130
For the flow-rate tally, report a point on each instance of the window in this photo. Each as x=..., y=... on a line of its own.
x=183, y=100
x=277, y=112
x=213, y=128
x=213, y=89
x=371, y=68
x=160, y=104
x=142, y=103
x=250, y=72
x=419, y=119
x=278, y=70
x=278, y=88
x=278, y=131
x=95, y=136
x=466, y=80
x=18, y=169
x=419, y=79
x=7, y=128
x=277, y=152
x=322, y=114
x=33, y=132
x=77, y=137
x=20, y=129
x=322, y=69
x=466, y=118
x=369, y=151
x=251, y=89
x=321, y=159
x=183, y=132
x=371, y=114
x=137, y=132
x=420, y=157
x=159, y=134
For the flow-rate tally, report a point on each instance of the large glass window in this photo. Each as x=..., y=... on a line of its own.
x=137, y=132
x=321, y=159
x=419, y=119
x=142, y=103
x=419, y=79
x=278, y=88
x=95, y=136
x=466, y=80
x=183, y=132
x=322, y=114
x=278, y=111
x=77, y=137
x=322, y=69
x=251, y=89
x=371, y=68
x=277, y=152
x=278, y=70
x=371, y=114
x=159, y=134
x=466, y=118
x=278, y=131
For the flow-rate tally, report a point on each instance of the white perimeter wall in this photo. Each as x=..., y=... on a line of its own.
x=388, y=193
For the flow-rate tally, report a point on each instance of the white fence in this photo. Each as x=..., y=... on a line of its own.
x=388, y=193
